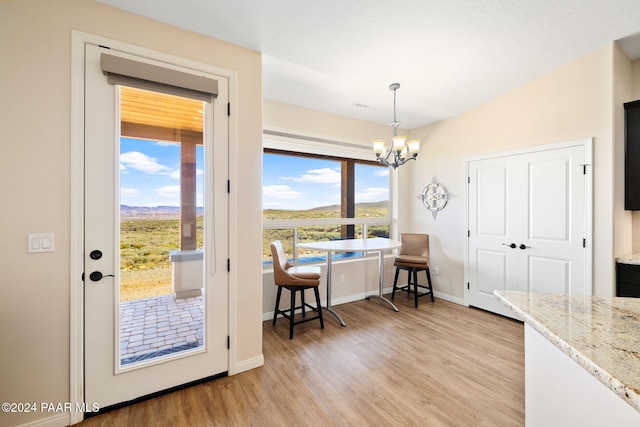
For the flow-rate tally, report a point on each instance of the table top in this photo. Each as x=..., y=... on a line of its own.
x=354, y=245
x=599, y=333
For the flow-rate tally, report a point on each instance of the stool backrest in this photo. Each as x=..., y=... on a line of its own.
x=414, y=244
x=280, y=263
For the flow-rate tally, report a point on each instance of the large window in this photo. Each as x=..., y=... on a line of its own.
x=308, y=197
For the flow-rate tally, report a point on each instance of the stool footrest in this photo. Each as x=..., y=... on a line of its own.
x=290, y=312
x=412, y=281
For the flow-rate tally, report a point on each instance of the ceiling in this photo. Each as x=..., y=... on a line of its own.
x=449, y=56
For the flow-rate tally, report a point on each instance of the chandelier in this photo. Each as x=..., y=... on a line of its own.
x=402, y=150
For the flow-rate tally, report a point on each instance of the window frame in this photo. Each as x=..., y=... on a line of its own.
x=347, y=222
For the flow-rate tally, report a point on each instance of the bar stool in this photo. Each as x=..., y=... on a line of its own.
x=413, y=257
x=295, y=279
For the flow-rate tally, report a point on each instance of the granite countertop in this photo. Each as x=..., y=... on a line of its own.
x=633, y=259
x=601, y=334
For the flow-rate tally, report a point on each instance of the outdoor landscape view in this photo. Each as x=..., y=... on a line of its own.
x=150, y=214
x=293, y=188
x=319, y=233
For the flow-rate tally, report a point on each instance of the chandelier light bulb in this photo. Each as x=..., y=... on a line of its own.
x=414, y=147
x=398, y=143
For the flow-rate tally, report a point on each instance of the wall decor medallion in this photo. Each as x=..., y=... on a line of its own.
x=435, y=196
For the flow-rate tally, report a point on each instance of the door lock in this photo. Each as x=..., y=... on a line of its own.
x=96, y=276
x=95, y=254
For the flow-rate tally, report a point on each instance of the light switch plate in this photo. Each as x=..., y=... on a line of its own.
x=41, y=242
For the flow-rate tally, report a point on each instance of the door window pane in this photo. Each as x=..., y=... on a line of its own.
x=161, y=226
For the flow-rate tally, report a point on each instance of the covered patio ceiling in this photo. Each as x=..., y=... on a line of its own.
x=158, y=116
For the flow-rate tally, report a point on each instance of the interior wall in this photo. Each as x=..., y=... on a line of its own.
x=635, y=90
x=622, y=92
x=572, y=102
x=35, y=118
x=319, y=124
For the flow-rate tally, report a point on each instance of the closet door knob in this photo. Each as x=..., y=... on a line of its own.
x=511, y=245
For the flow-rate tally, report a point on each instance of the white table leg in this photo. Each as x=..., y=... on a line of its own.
x=328, y=307
x=381, y=282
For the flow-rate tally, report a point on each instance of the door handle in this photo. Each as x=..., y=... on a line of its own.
x=523, y=246
x=511, y=245
x=96, y=276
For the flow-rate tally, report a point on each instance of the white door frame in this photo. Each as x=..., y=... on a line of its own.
x=76, y=350
x=587, y=143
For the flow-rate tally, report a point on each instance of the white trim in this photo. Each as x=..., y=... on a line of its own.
x=284, y=139
x=248, y=364
x=76, y=315
x=58, y=420
x=587, y=144
x=78, y=41
x=235, y=366
x=362, y=295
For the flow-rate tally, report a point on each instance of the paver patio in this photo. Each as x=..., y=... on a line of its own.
x=153, y=327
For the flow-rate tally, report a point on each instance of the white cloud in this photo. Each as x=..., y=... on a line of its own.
x=127, y=192
x=143, y=163
x=317, y=176
x=381, y=172
x=372, y=194
x=280, y=192
x=169, y=191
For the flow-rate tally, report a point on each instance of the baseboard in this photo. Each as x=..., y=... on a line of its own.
x=360, y=296
x=450, y=298
x=248, y=364
x=57, y=420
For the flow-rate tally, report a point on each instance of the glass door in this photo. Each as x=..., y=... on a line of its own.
x=156, y=239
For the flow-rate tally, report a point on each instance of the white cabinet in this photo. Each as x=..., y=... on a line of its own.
x=559, y=392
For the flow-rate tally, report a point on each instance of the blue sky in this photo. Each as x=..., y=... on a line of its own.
x=150, y=173
x=150, y=176
x=297, y=183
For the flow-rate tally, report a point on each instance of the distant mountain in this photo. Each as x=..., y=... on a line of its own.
x=155, y=212
x=329, y=211
x=373, y=205
x=369, y=205
x=173, y=212
x=321, y=208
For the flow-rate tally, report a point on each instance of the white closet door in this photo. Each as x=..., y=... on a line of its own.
x=527, y=222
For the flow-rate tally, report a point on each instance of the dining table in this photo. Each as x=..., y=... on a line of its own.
x=373, y=244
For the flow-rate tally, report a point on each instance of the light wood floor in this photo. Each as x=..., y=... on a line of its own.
x=439, y=365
